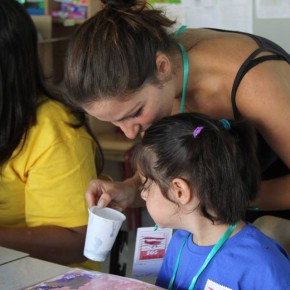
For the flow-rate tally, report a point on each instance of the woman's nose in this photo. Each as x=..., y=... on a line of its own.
x=131, y=131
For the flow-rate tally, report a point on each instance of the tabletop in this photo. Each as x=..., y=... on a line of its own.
x=19, y=271
x=9, y=255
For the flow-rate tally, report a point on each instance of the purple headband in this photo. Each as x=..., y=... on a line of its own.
x=196, y=131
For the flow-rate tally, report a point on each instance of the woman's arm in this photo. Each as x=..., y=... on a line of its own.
x=274, y=194
x=264, y=99
x=50, y=243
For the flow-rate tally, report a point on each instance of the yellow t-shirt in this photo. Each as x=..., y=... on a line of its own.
x=44, y=183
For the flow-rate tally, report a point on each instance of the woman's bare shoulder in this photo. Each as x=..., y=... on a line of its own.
x=222, y=44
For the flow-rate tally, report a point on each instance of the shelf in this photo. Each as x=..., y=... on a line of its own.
x=115, y=145
x=55, y=32
x=80, y=3
x=70, y=13
x=68, y=22
x=52, y=40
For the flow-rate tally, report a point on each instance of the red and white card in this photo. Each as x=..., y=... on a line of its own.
x=150, y=248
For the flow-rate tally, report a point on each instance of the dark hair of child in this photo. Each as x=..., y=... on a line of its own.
x=219, y=163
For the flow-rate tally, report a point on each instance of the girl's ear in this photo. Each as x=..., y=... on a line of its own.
x=163, y=66
x=181, y=190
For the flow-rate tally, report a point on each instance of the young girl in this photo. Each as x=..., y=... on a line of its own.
x=198, y=175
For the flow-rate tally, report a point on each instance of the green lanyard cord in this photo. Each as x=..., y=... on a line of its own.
x=212, y=253
x=185, y=77
x=177, y=262
x=185, y=67
x=180, y=31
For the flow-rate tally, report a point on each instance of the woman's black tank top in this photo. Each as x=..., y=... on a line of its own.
x=271, y=165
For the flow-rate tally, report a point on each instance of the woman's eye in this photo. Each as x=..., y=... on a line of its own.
x=137, y=114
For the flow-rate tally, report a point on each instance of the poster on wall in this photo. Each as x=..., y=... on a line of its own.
x=222, y=14
x=272, y=8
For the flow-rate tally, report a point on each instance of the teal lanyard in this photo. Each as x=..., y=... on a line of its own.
x=185, y=77
x=180, y=31
x=185, y=67
x=212, y=253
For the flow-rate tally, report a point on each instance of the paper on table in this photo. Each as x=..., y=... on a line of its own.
x=88, y=280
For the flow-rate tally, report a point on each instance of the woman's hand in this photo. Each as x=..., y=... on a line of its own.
x=117, y=195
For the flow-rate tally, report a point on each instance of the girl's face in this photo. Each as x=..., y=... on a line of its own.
x=138, y=111
x=163, y=211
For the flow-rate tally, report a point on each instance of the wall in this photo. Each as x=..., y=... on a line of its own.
x=233, y=15
x=277, y=30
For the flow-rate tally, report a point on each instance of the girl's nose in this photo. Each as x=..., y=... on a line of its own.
x=143, y=195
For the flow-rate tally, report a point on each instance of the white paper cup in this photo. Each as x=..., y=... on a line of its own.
x=103, y=227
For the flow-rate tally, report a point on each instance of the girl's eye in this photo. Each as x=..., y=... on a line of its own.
x=143, y=187
x=140, y=188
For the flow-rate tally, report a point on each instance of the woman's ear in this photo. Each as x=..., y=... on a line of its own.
x=163, y=66
x=181, y=190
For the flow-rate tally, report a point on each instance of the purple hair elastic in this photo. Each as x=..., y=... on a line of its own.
x=197, y=130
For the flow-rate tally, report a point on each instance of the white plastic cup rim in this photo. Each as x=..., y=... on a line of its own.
x=107, y=213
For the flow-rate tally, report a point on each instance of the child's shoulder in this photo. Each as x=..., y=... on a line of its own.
x=254, y=235
x=252, y=240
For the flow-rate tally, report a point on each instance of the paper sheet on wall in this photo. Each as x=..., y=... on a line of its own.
x=272, y=8
x=223, y=14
